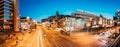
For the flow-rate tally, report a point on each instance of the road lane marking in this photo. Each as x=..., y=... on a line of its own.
x=29, y=45
x=34, y=37
x=38, y=38
x=41, y=39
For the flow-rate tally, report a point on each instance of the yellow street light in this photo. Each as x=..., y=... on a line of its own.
x=88, y=24
x=28, y=17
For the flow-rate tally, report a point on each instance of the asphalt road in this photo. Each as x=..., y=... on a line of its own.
x=79, y=39
x=44, y=37
x=31, y=40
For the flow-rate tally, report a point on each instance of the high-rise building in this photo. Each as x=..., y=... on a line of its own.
x=9, y=15
x=117, y=17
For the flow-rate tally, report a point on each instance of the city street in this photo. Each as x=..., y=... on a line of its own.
x=25, y=40
x=32, y=40
x=64, y=23
x=44, y=37
x=52, y=39
x=79, y=39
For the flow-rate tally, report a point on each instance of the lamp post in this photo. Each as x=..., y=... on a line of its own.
x=91, y=19
x=28, y=18
x=88, y=26
x=28, y=22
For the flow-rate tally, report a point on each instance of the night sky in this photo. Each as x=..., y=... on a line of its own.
x=40, y=9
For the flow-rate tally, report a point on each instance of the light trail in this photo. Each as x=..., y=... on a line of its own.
x=41, y=41
x=38, y=39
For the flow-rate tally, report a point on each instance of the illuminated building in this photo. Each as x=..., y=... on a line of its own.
x=9, y=15
x=117, y=17
x=25, y=23
x=78, y=21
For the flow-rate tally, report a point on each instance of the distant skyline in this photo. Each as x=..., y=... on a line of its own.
x=40, y=9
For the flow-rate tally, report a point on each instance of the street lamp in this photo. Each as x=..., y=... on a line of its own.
x=28, y=17
x=88, y=26
x=28, y=22
x=91, y=19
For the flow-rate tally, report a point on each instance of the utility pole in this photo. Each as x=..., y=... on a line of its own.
x=56, y=20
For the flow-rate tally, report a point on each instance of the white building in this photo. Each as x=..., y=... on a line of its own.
x=25, y=23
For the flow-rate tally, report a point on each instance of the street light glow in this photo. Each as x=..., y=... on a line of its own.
x=78, y=29
x=28, y=17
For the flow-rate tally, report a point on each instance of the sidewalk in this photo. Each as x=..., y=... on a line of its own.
x=12, y=42
x=104, y=30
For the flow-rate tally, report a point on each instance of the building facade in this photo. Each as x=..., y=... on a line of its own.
x=78, y=21
x=25, y=23
x=117, y=17
x=9, y=15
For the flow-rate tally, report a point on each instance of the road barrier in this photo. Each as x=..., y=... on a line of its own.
x=114, y=44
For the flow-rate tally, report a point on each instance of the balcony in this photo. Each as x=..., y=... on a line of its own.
x=8, y=23
x=8, y=19
x=5, y=15
x=8, y=1
x=1, y=1
x=1, y=18
x=6, y=4
x=1, y=7
x=10, y=9
x=2, y=11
